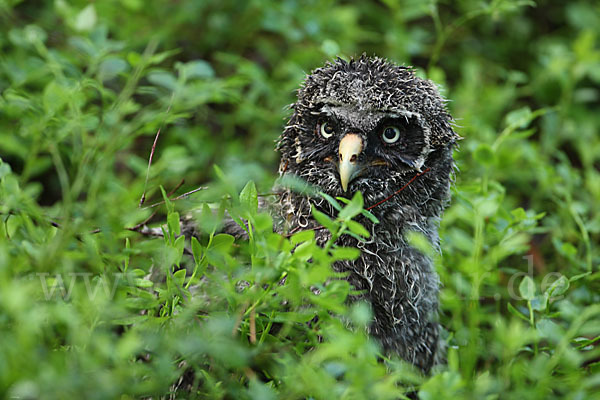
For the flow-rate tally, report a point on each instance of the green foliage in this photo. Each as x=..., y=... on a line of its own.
x=93, y=306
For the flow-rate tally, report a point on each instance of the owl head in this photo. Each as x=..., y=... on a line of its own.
x=365, y=124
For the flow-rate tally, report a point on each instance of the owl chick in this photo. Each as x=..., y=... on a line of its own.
x=369, y=125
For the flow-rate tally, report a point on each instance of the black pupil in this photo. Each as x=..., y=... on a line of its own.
x=389, y=133
x=327, y=128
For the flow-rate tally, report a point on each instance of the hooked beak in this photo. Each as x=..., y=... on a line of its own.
x=348, y=166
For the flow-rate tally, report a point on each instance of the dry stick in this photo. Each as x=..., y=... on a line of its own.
x=143, y=199
x=140, y=227
x=238, y=320
x=137, y=228
x=253, y=326
x=180, y=184
x=250, y=374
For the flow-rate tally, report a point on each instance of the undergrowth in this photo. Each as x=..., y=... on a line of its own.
x=94, y=305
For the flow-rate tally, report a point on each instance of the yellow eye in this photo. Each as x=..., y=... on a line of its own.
x=390, y=134
x=326, y=130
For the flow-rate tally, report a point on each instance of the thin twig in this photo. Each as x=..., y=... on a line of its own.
x=253, y=326
x=238, y=320
x=180, y=184
x=398, y=191
x=139, y=228
x=144, y=222
x=250, y=374
x=143, y=199
x=181, y=196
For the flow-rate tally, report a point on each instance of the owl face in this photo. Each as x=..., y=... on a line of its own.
x=366, y=143
x=362, y=125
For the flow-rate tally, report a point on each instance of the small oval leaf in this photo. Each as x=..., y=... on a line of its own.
x=527, y=288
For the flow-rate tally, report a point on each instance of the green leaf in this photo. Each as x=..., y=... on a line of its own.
x=196, y=69
x=162, y=56
x=164, y=79
x=179, y=245
x=516, y=312
x=331, y=201
x=353, y=208
x=540, y=302
x=86, y=19
x=173, y=223
x=4, y=169
x=111, y=68
x=343, y=200
x=208, y=221
x=55, y=97
x=558, y=287
x=357, y=228
x=196, y=249
x=263, y=222
x=527, y=288
x=370, y=216
x=361, y=314
x=134, y=58
x=324, y=220
x=484, y=155
x=168, y=203
x=523, y=134
x=579, y=276
x=127, y=254
x=179, y=277
x=304, y=251
x=519, y=118
x=220, y=174
x=138, y=272
x=345, y=253
x=249, y=198
x=260, y=391
x=222, y=242
x=303, y=236
x=519, y=214
x=34, y=34
x=143, y=283
x=548, y=329
x=298, y=185
x=420, y=242
x=354, y=235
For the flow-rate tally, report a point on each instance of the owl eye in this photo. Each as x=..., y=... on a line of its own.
x=390, y=134
x=326, y=129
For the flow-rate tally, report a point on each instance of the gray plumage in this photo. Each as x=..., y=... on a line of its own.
x=377, y=102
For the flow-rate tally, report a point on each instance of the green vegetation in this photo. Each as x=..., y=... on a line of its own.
x=91, y=309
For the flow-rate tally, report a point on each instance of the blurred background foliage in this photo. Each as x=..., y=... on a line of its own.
x=85, y=86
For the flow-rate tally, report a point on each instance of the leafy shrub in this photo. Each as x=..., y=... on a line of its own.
x=91, y=308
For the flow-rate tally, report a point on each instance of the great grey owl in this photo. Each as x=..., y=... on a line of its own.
x=369, y=125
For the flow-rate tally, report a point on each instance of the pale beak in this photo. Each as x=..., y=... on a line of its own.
x=350, y=148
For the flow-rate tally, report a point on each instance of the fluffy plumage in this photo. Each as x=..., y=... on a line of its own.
x=364, y=97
